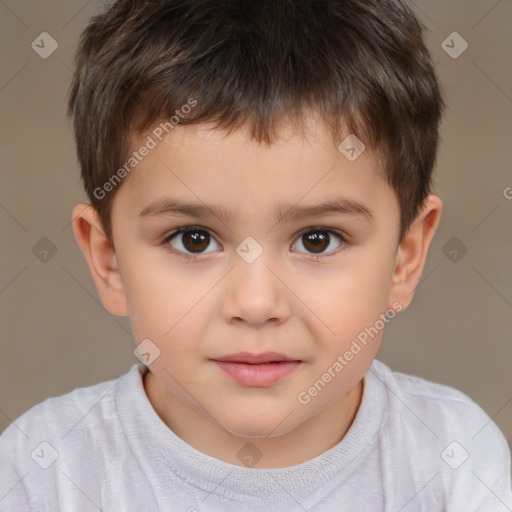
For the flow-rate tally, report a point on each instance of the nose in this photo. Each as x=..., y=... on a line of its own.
x=254, y=294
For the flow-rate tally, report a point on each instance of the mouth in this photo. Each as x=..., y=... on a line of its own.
x=257, y=370
x=248, y=358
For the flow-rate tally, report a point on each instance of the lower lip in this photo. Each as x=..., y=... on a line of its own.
x=258, y=375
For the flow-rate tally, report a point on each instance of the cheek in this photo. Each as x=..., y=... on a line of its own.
x=349, y=302
x=164, y=302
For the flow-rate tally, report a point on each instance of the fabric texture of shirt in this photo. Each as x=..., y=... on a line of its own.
x=414, y=446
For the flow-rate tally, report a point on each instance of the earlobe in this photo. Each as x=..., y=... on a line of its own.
x=101, y=258
x=413, y=250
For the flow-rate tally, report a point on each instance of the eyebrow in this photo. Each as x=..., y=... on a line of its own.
x=169, y=206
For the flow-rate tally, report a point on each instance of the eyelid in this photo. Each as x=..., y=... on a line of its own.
x=184, y=229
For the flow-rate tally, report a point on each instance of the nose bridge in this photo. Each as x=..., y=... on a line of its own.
x=254, y=294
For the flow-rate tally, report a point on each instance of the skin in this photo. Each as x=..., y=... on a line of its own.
x=287, y=300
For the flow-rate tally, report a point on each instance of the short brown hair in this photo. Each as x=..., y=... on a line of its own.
x=361, y=64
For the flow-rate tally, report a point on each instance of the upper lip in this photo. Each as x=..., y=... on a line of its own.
x=246, y=357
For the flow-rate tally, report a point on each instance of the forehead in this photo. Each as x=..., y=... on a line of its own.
x=201, y=163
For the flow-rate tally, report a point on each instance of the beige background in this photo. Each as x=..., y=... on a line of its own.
x=56, y=335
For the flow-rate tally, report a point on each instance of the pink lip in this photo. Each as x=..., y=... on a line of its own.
x=247, y=357
x=258, y=375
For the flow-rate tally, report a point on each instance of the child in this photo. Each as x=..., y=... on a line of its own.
x=259, y=176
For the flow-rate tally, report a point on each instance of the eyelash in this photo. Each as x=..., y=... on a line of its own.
x=189, y=257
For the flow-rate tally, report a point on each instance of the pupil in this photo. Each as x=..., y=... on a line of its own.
x=318, y=241
x=196, y=241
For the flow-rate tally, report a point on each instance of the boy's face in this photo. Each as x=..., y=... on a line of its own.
x=253, y=282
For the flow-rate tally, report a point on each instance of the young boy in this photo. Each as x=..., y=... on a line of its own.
x=259, y=176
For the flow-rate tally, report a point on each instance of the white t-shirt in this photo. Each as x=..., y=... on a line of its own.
x=414, y=446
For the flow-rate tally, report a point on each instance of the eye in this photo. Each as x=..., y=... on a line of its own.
x=190, y=241
x=191, y=238
x=317, y=240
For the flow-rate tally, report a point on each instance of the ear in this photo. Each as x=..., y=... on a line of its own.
x=101, y=258
x=412, y=251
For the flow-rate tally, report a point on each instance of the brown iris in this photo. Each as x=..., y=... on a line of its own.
x=196, y=241
x=316, y=241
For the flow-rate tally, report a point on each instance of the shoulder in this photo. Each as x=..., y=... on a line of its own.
x=63, y=435
x=445, y=407
x=434, y=429
x=68, y=421
x=55, y=415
